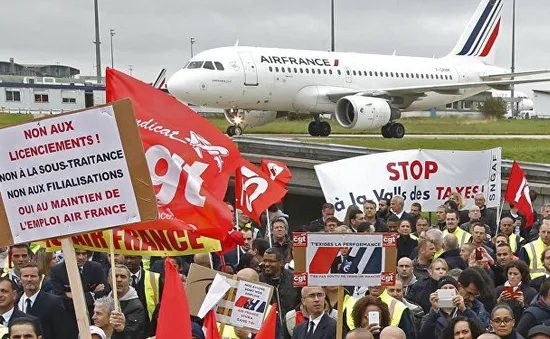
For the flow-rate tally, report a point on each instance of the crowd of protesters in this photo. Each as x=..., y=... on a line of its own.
x=493, y=267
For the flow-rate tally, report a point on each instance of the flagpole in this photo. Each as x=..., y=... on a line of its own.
x=499, y=215
x=268, y=226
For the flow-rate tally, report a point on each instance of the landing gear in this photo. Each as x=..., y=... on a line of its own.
x=319, y=128
x=234, y=130
x=393, y=130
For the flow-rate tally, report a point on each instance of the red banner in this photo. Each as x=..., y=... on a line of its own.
x=517, y=194
x=277, y=171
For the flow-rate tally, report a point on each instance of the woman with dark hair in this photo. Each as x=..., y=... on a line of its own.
x=502, y=322
x=248, y=261
x=462, y=328
x=516, y=291
x=366, y=305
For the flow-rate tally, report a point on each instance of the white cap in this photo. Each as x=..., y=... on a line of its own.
x=98, y=331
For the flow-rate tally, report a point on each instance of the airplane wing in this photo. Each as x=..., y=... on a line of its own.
x=412, y=92
x=513, y=75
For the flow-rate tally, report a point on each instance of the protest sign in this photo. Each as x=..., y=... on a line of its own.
x=73, y=173
x=344, y=259
x=424, y=176
x=141, y=242
x=244, y=305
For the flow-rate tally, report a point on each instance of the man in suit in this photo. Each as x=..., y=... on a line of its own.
x=8, y=312
x=46, y=307
x=318, y=225
x=319, y=325
x=397, y=205
x=93, y=283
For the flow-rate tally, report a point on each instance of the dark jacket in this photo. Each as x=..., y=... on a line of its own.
x=419, y=293
x=535, y=283
x=326, y=329
x=453, y=259
x=537, y=313
x=489, y=218
x=529, y=294
x=52, y=314
x=419, y=271
x=405, y=246
x=285, y=295
x=434, y=322
x=317, y=225
x=135, y=314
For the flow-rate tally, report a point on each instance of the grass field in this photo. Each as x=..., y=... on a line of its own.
x=7, y=119
x=528, y=150
x=413, y=126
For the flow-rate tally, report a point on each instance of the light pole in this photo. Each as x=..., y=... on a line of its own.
x=97, y=43
x=332, y=26
x=192, y=43
x=130, y=68
x=513, y=68
x=112, y=32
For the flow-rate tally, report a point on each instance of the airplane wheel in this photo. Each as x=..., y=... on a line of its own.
x=237, y=130
x=324, y=129
x=386, y=131
x=230, y=130
x=398, y=130
x=314, y=128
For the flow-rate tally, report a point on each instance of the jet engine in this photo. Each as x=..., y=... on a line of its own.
x=250, y=118
x=363, y=113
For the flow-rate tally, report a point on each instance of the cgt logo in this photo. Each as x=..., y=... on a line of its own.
x=389, y=240
x=252, y=179
x=300, y=279
x=299, y=239
x=274, y=170
x=387, y=278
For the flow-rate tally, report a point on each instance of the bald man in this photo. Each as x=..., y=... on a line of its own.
x=488, y=336
x=392, y=332
x=202, y=259
x=405, y=273
x=359, y=333
x=319, y=325
x=248, y=274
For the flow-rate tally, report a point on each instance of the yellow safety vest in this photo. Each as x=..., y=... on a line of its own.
x=513, y=240
x=151, y=281
x=396, y=309
x=463, y=236
x=35, y=246
x=534, y=250
x=229, y=331
x=146, y=264
x=413, y=237
x=438, y=253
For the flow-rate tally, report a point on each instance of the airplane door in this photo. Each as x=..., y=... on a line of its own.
x=250, y=71
x=347, y=70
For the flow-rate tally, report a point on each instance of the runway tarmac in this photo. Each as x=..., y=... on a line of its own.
x=408, y=136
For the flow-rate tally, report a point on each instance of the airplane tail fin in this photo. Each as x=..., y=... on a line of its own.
x=161, y=79
x=479, y=37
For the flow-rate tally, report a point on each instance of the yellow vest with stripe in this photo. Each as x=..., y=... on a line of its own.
x=463, y=236
x=146, y=263
x=438, y=253
x=396, y=309
x=229, y=331
x=534, y=250
x=514, y=239
x=151, y=283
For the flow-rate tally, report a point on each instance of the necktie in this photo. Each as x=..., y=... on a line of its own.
x=29, y=305
x=2, y=320
x=309, y=334
x=134, y=280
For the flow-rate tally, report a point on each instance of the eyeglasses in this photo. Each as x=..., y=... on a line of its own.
x=505, y=321
x=471, y=294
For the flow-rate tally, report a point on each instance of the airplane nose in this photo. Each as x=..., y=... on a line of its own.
x=178, y=86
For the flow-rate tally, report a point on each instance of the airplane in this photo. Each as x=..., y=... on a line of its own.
x=524, y=102
x=363, y=91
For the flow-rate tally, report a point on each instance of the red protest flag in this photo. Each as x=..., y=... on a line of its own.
x=267, y=331
x=255, y=191
x=277, y=171
x=174, y=319
x=517, y=194
x=210, y=327
x=190, y=160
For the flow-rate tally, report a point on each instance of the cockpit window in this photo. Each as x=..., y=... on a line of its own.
x=219, y=65
x=209, y=65
x=195, y=64
x=187, y=64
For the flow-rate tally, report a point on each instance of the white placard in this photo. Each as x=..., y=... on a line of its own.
x=424, y=176
x=65, y=175
x=251, y=303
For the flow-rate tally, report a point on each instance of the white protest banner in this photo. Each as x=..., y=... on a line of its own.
x=424, y=176
x=251, y=303
x=73, y=173
x=345, y=259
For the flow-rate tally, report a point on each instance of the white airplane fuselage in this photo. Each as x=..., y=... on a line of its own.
x=271, y=79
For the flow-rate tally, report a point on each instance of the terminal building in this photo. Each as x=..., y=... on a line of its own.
x=42, y=88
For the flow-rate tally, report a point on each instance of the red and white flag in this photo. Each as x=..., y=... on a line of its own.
x=255, y=191
x=190, y=160
x=517, y=194
x=210, y=327
x=277, y=171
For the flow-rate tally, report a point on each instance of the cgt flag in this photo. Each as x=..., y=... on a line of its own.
x=189, y=159
x=517, y=194
x=255, y=191
x=277, y=171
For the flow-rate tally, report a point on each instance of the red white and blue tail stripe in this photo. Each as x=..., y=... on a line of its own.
x=479, y=37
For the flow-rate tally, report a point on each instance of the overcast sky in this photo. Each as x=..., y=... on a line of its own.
x=151, y=35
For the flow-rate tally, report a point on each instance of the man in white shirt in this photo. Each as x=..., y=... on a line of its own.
x=319, y=325
x=8, y=313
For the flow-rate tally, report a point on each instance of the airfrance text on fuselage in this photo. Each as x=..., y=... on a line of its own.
x=296, y=61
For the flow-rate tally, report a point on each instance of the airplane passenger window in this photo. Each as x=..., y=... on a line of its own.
x=437, y=76
x=289, y=70
x=325, y=71
x=450, y=77
x=375, y=74
x=318, y=71
x=339, y=72
x=270, y=69
x=330, y=71
x=387, y=74
x=282, y=69
x=360, y=73
x=431, y=76
x=277, y=69
x=195, y=64
x=421, y=76
x=402, y=75
x=354, y=73
x=295, y=70
x=347, y=72
x=445, y=76
x=391, y=74
x=307, y=70
x=301, y=70
x=407, y=75
x=417, y=76
x=219, y=65
x=209, y=65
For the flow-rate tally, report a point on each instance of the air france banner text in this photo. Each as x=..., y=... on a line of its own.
x=350, y=259
x=424, y=176
x=141, y=242
x=74, y=173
